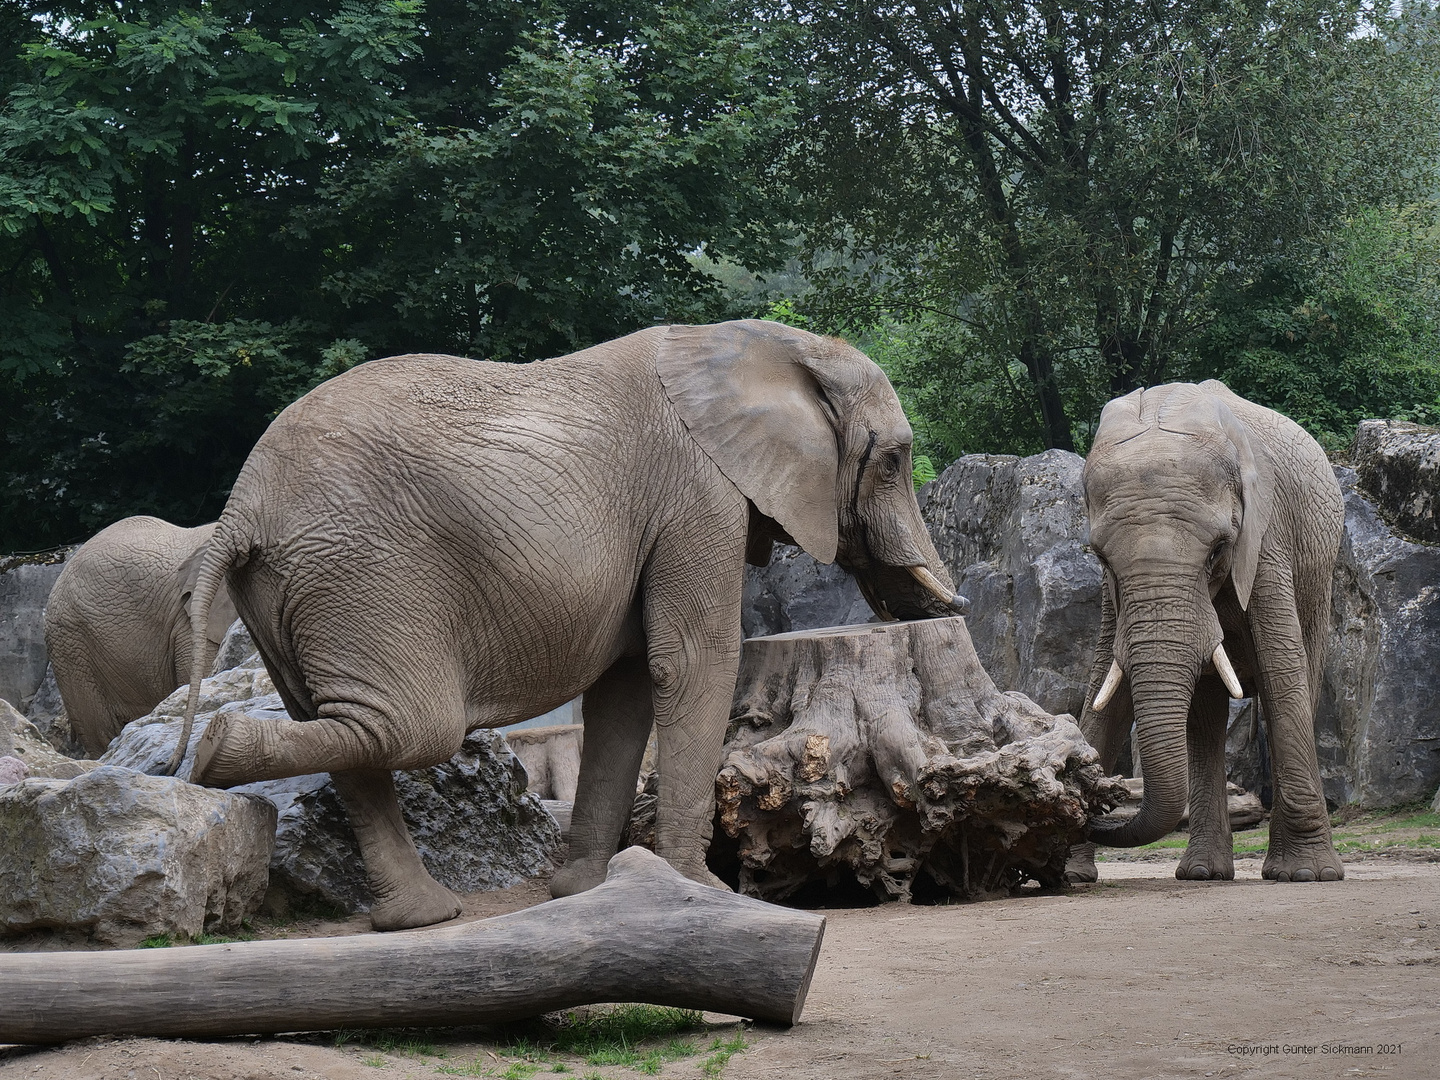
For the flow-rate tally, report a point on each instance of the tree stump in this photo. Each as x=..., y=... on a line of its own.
x=645, y=934
x=883, y=751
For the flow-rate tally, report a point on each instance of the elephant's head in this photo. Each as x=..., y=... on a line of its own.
x=1179, y=495
x=811, y=432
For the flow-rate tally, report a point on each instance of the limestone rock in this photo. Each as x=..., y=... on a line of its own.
x=886, y=754
x=796, y=593
x=122, y=856
x=473, y=823
x=237, y=649
x=1398, y=467
x=551, y=756
x=20, y=738
x=1378, y=725
x=25, y=584
x=12, y=770
x=47, y=713
x=1012, y=532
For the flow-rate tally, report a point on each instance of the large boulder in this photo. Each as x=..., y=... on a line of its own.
x=1378, y=726
x=473, y=823
x=1398, y=467
x=25, y=584
x=20, y=739
x=796, y=593
x=122, y=856
x=1013, y=532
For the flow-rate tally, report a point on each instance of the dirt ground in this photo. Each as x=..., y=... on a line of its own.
x=1136, y=976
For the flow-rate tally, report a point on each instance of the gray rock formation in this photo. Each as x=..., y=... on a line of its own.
x=237, y=649
x=25, y=584
x=122, y=856
x=47, y=713
x=796, y=593
x=473, y=823
x=20, y=739
x=1378, y=728
x=1012, y=532
x=1398, y=467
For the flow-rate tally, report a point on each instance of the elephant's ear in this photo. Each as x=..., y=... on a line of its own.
x=750, y=392
x=1257, y=497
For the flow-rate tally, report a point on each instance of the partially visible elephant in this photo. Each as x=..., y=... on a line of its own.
x=117, y=624
x=1218, y=523
x=426, y=545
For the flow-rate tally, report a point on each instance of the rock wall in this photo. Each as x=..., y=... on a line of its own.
x=25, y=584
x=1013, y=530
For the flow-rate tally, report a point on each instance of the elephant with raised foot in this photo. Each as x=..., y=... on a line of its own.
x=117, y=624
x=1217, y=522
x=427, y=544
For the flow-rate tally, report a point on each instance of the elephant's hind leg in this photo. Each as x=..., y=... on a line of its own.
x=618, y=717
x=1210, y=854
x=405, y=895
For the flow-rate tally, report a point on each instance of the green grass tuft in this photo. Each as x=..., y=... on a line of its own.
x=721, y=1051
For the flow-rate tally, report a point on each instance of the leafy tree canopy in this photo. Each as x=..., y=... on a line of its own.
x=1041, y=205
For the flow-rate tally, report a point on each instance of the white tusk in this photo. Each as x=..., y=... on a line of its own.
x=944, y=595
x=1227, y=673
x=1109, y=686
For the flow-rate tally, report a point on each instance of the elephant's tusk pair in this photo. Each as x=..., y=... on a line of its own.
x=1227, y=673
x=1109, y=686
x=954, y=601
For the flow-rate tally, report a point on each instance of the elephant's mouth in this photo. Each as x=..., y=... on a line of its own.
x=898, y=592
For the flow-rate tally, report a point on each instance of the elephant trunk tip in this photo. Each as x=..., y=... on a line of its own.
x=1149, y=825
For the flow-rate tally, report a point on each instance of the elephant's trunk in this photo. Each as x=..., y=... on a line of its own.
x=1161, y=688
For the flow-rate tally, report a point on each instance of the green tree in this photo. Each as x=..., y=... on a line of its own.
x=1057, y=189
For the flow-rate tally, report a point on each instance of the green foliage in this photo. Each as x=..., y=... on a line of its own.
x=1356, y=336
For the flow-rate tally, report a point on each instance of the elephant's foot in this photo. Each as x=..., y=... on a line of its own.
x=1315, y=861
x=1080, y=867
x=577, y=876
x=228, y=751
x=420, y=903
x=1206, y=864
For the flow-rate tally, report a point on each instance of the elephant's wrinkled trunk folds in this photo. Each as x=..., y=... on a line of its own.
x=1161, y=688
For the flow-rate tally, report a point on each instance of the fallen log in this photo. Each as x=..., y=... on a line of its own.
x=646, y=934
x=884, y=753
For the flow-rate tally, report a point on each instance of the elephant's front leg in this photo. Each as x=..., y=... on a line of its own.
x=692, y=629
x=1210, y=853
x=1300, y=845
x=405, y=895
x=617, y=719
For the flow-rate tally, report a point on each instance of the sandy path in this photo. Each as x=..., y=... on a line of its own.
x=1137, y=976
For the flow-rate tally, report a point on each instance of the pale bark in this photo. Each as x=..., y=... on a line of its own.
x=645, y=935
x=884, y=751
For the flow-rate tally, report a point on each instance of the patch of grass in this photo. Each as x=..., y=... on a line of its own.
x=721, y=1051
x=474, y=1068
x=520, y=1070
x=621, y=1028
x=159, y=941
x=375, y=1061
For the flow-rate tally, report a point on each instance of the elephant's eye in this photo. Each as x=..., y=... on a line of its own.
x=1215, y=553
x=890, y=464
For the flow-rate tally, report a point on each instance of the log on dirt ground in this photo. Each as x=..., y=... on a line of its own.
x=884, y=751
x=646, y=934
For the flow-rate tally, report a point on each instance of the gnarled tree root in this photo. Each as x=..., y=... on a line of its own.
x=885, y=750
x=646, y=934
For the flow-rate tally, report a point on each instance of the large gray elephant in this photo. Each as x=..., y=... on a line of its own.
x=1218, y=523
x=427, y=544
x=117, y=623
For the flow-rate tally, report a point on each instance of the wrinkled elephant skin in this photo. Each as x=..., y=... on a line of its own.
x=117, y=624
x=427, y=544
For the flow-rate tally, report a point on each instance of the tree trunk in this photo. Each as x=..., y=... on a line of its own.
x=646, y=934
x=884, y=750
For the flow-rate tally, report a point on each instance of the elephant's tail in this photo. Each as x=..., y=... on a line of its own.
x=220, y=555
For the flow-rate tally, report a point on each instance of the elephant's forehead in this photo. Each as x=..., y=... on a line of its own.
x=1162, y=482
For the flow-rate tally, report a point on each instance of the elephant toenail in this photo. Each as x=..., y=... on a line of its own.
x=1329, y=874
x=1304, y=875
x=1282, y=875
